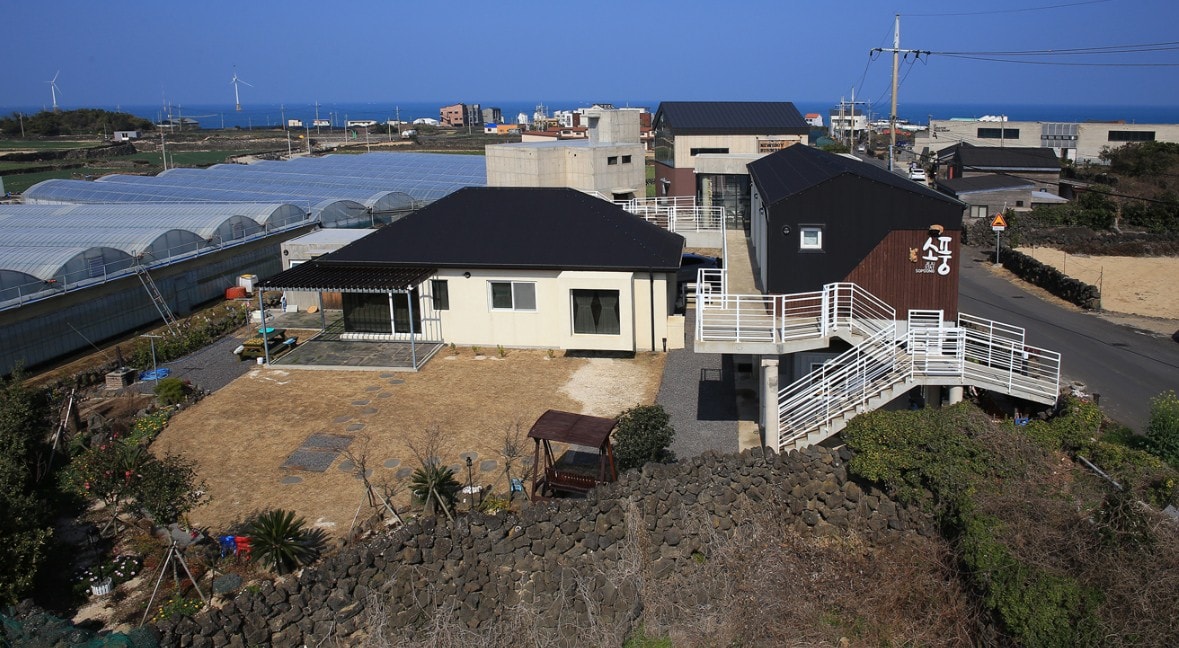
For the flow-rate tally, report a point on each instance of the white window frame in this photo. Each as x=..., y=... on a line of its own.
x=803, y=230
x=491, y=296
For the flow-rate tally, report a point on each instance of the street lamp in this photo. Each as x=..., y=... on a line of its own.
x=470, y=484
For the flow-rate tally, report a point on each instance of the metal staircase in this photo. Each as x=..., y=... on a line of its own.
x=884, y=363
x=157, y=299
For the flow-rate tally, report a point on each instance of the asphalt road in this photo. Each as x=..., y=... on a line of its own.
x=1126, y=366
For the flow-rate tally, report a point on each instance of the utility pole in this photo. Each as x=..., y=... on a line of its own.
x=22, y=124
x=317, y=118
x=282, y=111
x=896, y=68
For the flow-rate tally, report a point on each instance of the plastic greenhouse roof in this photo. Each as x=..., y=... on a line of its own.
x=260, y=190
x=129, y=240
x=180, y=215
x=42, y=262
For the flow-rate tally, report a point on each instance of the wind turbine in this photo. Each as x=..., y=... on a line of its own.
x=53, y=89
x=237, y=99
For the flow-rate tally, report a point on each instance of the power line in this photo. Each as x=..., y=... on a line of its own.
x=1100, y=49
x=1057, y=63
x=1006, y=11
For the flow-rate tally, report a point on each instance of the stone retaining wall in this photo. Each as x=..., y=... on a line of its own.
x=1050, y=279
x=567, y=560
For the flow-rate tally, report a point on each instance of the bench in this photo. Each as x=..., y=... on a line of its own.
x=564, y=480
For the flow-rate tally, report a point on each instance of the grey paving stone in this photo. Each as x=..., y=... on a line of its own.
x=372, y=388
x=290, y=479
x=369, y=410
x=396, y=381
x=404, y=473
x=355, y=427
x=470, y=454
x=342, y=418
x=392, y=463
x=360, y=401
x=488, y=465
x=346, y=466
x=384, y=395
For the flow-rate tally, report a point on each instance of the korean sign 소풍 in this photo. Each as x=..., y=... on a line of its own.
x=936, y=252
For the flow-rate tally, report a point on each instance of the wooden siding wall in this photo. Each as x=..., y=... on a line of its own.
x=889, y=273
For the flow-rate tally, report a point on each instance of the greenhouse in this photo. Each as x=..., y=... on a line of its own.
x=324, y=210
x=48, y=249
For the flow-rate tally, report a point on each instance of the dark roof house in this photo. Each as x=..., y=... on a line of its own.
x=731, y=118
x=517, y=267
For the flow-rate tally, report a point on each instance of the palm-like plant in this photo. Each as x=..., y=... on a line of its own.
x=434, y=485
x=281, y=542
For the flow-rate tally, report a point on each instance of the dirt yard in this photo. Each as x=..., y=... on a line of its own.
x=1132, y=285
x=242, y=434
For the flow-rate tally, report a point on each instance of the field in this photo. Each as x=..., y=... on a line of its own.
x=241, y=435
x=1131, y=285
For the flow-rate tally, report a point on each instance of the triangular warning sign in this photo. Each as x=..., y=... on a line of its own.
x=999, y=221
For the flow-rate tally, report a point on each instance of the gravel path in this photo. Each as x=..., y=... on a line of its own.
x=699, y=394
x=210, y=368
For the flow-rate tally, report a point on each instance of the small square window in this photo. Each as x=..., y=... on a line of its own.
x=613, y=159
x=512, y=295
x=810, y=238
x=626, y=159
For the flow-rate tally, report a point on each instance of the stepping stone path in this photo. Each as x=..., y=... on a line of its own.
x=347, y=465
x=468, y=455
x=392, y=463
x=342, y=419
x=359, y=402
x=367, y=473
x=404, y=473
x=372, y=388
x=291, y=479
x=396, y=381
x=355, y=427
x=387, y=374
x=369, y=410
x=457, y=468
x=384, y=395
x=488, y=465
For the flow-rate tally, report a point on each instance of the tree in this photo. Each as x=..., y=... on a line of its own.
x=643, y=435
x=1162, y=431
x=24, y=522
x=281, y=542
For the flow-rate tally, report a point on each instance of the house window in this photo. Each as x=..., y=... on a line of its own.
x=697, y=151
x=998, y=133
x=1131, y=136
x=978, y=211
x=440, y=294
x=613, y=159
x=596, y=312
x=1019, y=203
x=626, y=159
x=512, y=295
x=810, y=237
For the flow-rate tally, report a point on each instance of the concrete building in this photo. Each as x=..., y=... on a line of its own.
x=702, y=147
x=125, y=136
x=301, y=249
x=989, y=194
x=1077, y=141
x=454, y=115
x=609, y=160
x=851, y=122
x=492, y=115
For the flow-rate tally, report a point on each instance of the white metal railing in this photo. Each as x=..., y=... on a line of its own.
x=978, y=351
x=846, y=384
x=838, y=307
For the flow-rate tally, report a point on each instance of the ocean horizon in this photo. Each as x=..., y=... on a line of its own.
x=215, y=116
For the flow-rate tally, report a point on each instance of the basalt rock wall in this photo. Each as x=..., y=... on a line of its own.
x=567, y=561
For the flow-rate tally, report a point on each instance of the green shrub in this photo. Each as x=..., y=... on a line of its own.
x=1162, y=431
x=177, y=606
x=643, y=435
x=171, y=391
x=281, y=542
x=1074, y=427
x=433, y=484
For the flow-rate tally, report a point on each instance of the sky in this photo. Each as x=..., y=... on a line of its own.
x=297, y=51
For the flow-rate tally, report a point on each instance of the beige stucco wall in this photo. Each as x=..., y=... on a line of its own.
x=578, y=166
x=471, y=321
x=1092, y=138
x=740, y=144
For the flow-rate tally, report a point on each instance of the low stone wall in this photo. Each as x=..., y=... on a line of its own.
x=565, y=560
x=1051, y=279
x=87, y=153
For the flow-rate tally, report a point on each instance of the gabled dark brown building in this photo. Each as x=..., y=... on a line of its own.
x=820, y=218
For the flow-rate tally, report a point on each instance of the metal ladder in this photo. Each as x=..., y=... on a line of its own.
x=157, y=299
